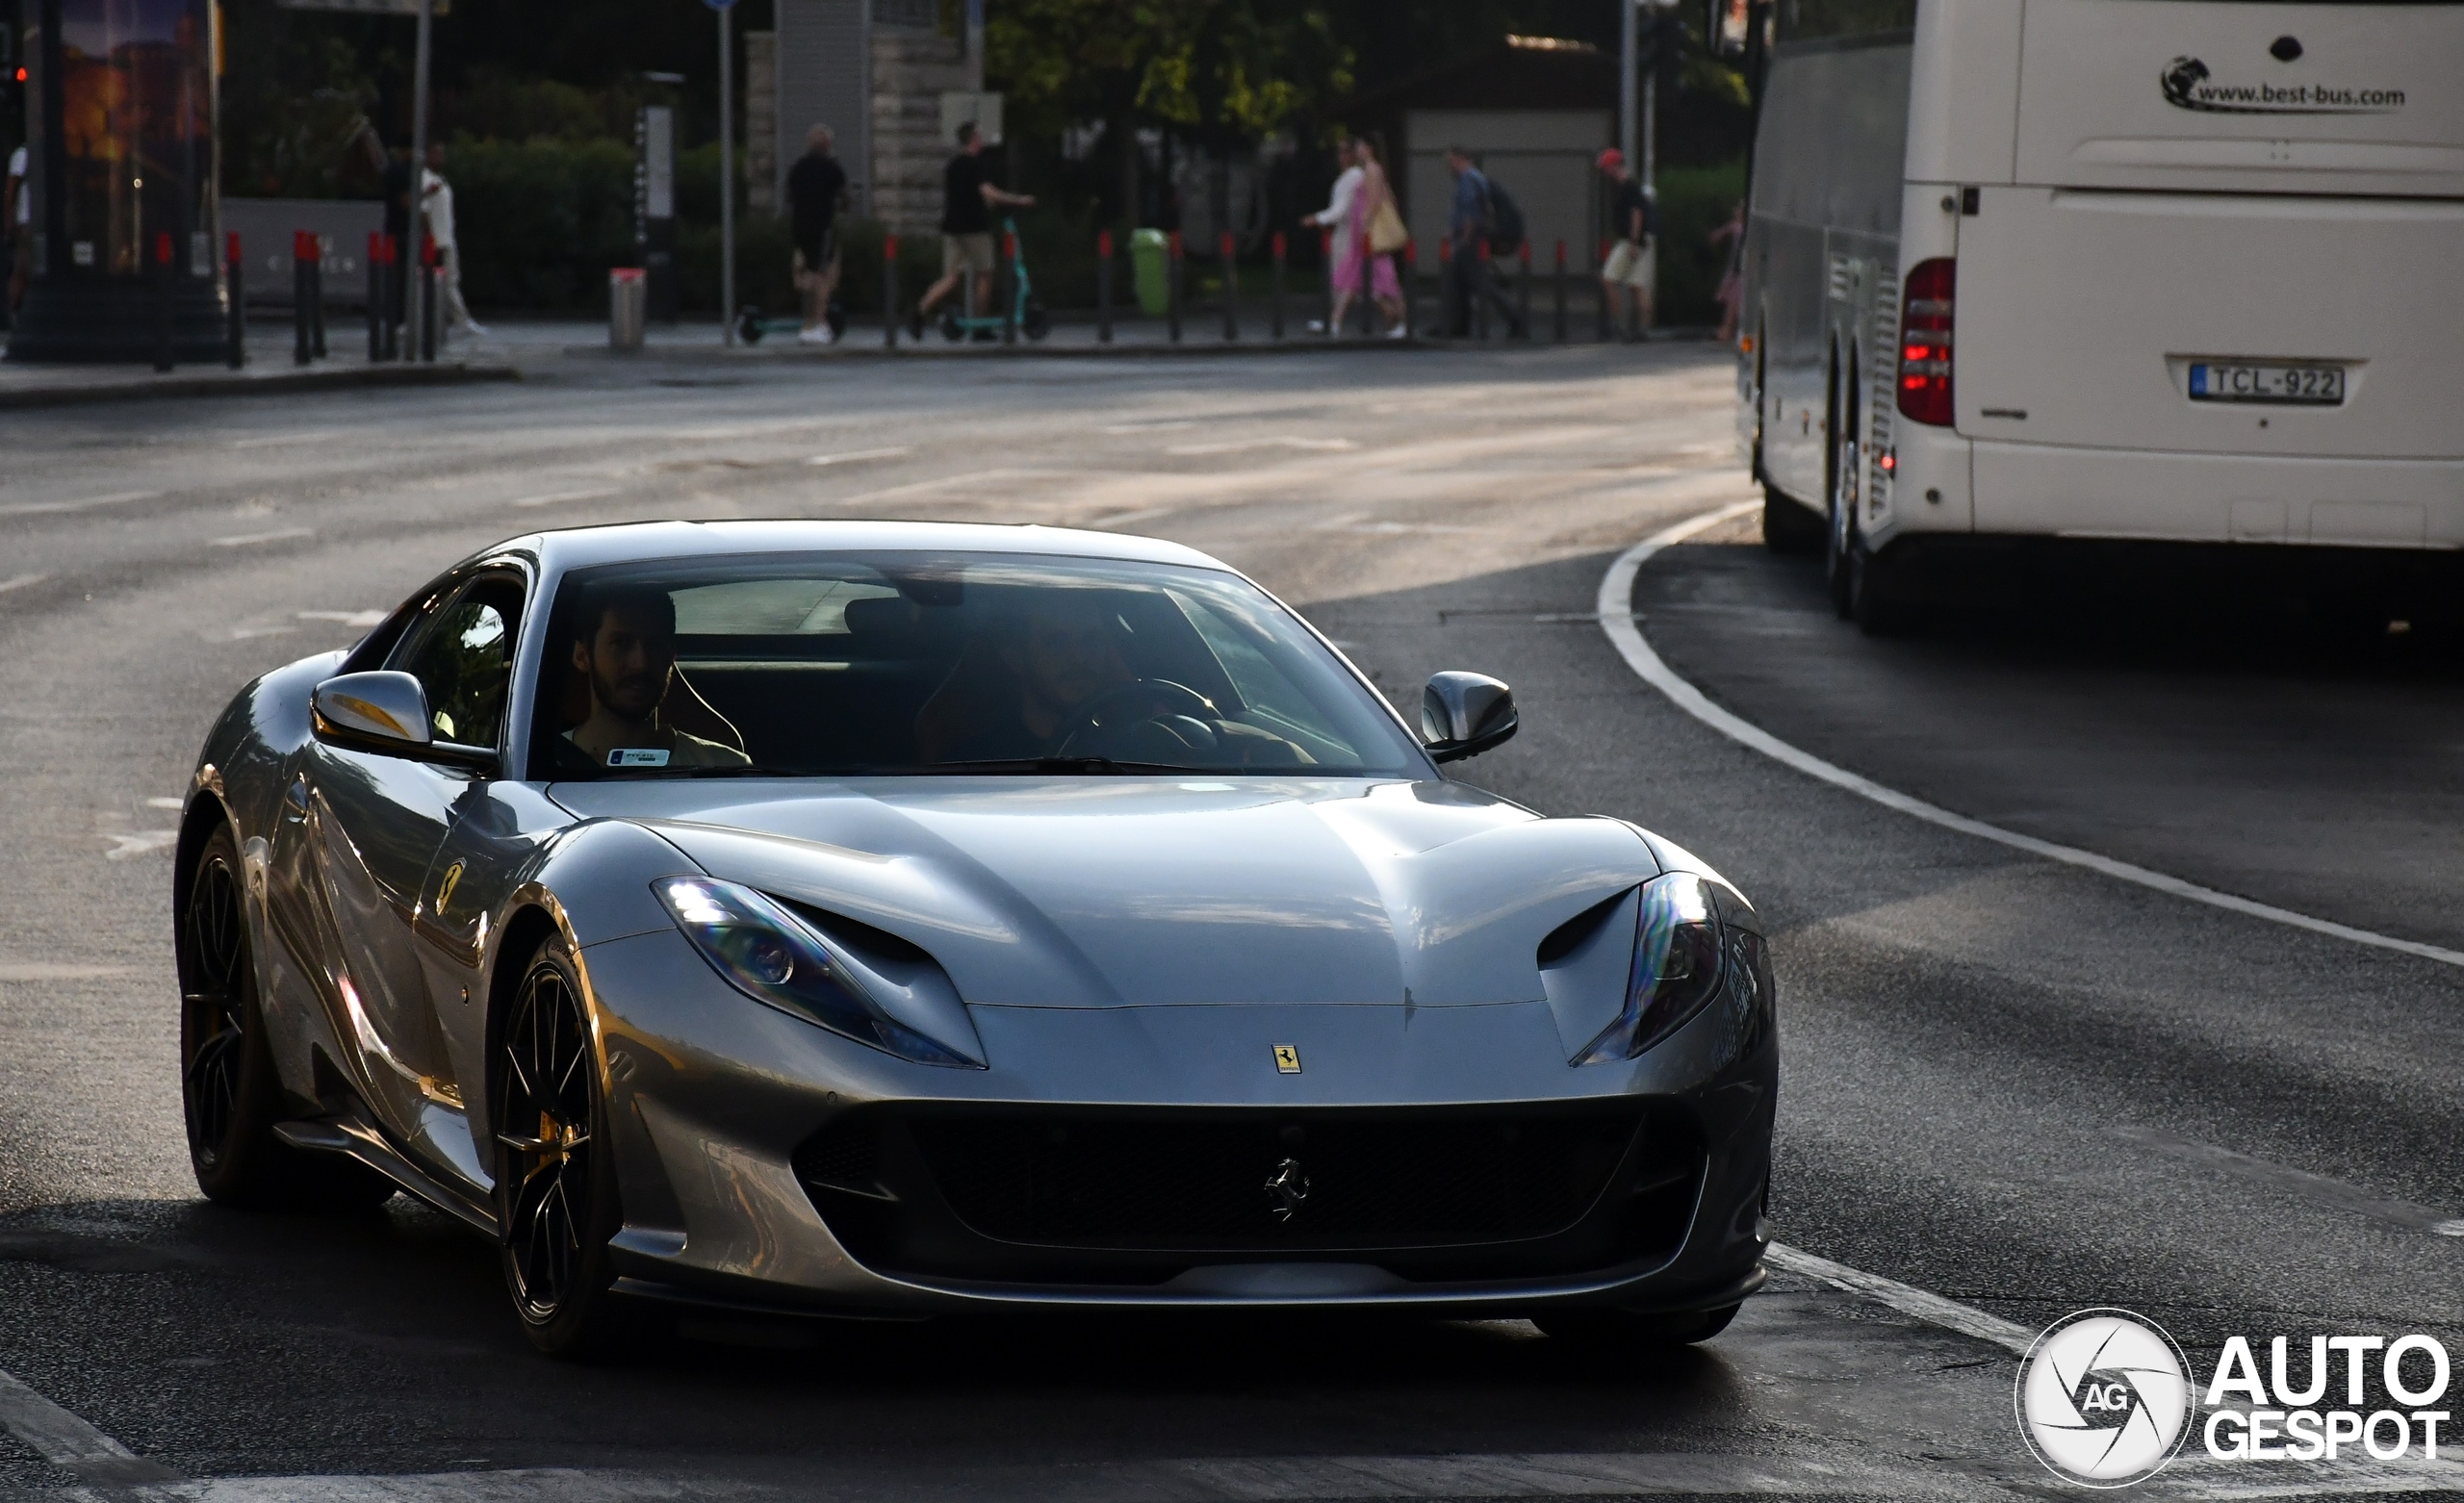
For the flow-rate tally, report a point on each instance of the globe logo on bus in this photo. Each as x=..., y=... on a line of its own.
x=2104, y=1398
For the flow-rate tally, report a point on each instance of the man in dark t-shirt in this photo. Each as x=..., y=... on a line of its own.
x=1635, y=223
x=968, y=199
x=816, y=189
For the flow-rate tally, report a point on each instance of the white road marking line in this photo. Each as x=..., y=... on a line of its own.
x=1931, y=1307
x=1245, y=446
x=248, y=633
x=859, y=457
x=560, y=497
x=360, y=619
x=249, y=539
x=273, y=439
x=55, y=971
x=137, y=842
x=82, y=503
x=68, y=1441
x=166, y=802
x=21, y=581
x=2316, y=1188
x=1615, y=603
x=1165, y=426
x=1143, y=514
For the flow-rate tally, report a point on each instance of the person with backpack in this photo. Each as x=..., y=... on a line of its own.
x=1635, y=222
x=1483, y=213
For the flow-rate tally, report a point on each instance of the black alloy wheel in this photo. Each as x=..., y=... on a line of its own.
x=555, y=1187
x=230, y=1092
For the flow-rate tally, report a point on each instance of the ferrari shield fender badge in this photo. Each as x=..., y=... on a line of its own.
x=444, y=891
x=1287, y=1189
x=1287, y=1059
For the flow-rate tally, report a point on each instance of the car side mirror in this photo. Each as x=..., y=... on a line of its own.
x=1466, y=714
x=386, y=714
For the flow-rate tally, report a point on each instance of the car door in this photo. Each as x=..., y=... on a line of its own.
x=374, y=825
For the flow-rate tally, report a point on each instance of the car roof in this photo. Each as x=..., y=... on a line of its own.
x=649, y=541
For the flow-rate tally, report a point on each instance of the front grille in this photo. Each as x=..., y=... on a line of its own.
x=1137, y=1196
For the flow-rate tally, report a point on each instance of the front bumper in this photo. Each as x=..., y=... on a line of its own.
x=1119, y=1157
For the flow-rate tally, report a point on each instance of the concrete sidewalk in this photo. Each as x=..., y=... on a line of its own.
x=270, y=370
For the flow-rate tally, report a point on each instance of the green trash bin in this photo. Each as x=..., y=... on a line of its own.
x=1150, y=257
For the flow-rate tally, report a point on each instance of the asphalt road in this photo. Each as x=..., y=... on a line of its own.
x=2024, y=1086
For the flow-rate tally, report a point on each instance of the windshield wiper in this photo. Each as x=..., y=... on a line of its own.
x=1104, y=765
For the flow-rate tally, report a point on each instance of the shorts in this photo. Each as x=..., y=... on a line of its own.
x=817, y=258
x=1629, y=265
x=967, y=253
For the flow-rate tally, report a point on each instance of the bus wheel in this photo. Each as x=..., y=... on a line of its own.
x=1878, y=592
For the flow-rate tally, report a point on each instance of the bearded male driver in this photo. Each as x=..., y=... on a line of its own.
x=625, y=648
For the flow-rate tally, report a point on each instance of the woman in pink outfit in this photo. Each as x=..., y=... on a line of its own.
x=1383, y=284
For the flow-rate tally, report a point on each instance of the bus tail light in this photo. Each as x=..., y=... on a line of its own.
x=1925, y=314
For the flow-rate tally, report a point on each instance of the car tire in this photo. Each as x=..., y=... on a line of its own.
x=557, y=1203
x=1628, y=1328
x=1790, y=529
x=230, y=1092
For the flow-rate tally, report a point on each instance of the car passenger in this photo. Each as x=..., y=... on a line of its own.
x=625, y=648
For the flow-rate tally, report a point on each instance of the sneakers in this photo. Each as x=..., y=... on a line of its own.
x=1400, y=331
x=1316, y=325
x=820, y=334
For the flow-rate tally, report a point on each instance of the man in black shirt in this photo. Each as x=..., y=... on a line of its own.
x=816, y=189
x=968, y=199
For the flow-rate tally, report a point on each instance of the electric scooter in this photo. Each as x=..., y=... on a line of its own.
x=1033, y=321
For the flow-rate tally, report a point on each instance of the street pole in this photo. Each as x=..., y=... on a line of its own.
x=727, y=177
x=1630, y=31
x=418, y=236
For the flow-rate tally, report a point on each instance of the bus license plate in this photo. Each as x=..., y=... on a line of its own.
x=2308, y=386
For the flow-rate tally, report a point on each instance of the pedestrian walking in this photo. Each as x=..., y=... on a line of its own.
x=817, y=191
x=1635, y=223
x=1342, y=272
x=1382, y=227
x=17, y=215
x=437, y=197
x=967, y=200
x=1478, y=219
x=1731, y=292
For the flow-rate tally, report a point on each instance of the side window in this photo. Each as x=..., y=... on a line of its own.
x=463, y=656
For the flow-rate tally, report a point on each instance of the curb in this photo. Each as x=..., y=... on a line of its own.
x=908, y=349
x=228, y=384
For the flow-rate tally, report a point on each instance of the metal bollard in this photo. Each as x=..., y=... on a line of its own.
x=1448, y=293
x=1005, y=286
x=1104, y=287
x=1480, y=292
x=1326, y=260
x=1524, y=293
x=1559, y=327
x=1368, y=289
x=427, y=300
x=1173, y=296
x=235, y=289
x=166, y=280
x=303, y=255
x=890, y=291
x=317, y=296
x=1230, y=254
x=1274, y=289
x=1599, y=295
x=375, y=296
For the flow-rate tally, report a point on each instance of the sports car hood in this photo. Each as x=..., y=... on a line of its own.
x=1100, y=893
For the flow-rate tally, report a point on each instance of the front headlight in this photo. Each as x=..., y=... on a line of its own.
x=772, y=956
x=1677, y=968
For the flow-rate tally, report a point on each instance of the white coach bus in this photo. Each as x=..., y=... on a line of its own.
x=2188, y=270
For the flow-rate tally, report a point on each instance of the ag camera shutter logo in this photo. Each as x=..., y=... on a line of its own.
x=2104, y=1398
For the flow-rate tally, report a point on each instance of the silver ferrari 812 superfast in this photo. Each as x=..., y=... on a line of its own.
x=887, y=919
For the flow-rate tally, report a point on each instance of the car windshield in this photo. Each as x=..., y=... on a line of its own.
x=889, y=664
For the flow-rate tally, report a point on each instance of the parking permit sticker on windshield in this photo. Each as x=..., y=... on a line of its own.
x=633, y=756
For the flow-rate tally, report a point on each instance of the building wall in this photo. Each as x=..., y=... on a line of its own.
x=1544, y=158
x=821, y=79
x=762, y=171
x=912, y=68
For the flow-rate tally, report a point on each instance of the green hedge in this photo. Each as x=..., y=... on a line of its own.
x=1693, y=202
x=540, y=221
